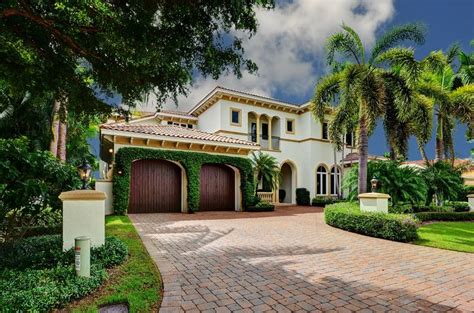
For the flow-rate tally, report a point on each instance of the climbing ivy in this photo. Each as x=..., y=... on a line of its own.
x=191, y=162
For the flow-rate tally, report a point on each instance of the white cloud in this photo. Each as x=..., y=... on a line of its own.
x=289, y=46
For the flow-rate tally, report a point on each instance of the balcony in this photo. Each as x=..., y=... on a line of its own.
x=264, y=142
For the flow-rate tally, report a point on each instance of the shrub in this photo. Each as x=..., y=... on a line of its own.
x=30, y=183
x=261, y=207
x=322, y=201
x=400, y=209
x=302, y=196
x=347, y=216
x=46, y=251
x=442, y=180
x=445, y=216
x=34, y=231
x=458, y=206
x=40, y=290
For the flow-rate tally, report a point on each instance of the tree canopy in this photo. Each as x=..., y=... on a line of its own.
x=129, y=47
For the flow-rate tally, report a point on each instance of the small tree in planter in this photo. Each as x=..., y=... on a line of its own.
x=266, y=170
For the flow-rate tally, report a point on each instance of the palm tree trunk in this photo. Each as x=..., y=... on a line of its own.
x=363, y=153
x=439, y=139
x=53, y=146
x=423, y=153
x=62, y=141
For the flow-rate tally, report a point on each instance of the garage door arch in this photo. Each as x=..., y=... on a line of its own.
x=156, y=186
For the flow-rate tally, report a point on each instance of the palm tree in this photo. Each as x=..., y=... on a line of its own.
x=361, y=87
x=266, y=170
x=466, y=66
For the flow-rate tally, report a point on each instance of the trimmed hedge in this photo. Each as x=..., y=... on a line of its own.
x=261, y=207
x=191, y=162
x=445, y=216
x=302, y=196
x=347, y=216
x=37, y=276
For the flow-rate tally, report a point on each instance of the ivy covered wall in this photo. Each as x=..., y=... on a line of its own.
x=191, y=161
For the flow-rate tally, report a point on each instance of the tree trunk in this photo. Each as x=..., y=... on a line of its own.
x=439, y=139
x=62, y=141
x=53, y=146
x=423, y=153
x=363, y=153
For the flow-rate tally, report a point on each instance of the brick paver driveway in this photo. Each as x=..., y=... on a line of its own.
x=289, y=260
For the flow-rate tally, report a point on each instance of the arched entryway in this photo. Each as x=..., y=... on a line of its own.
x=155, y=187
x=288, y=182
x=217, y=191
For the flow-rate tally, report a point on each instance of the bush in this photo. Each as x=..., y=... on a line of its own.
x=38, y=276
x=302, y=196
x=322, y=201
x=445, y=216
x=347, y=216
x=34, y=231
x=458, y=206
x=46, y=251
x=261, y=207
x=431, y=208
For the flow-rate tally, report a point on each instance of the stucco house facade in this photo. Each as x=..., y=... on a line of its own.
x=235, y=123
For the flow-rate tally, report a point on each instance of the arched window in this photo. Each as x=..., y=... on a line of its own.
x=322, y=181
x=335, y=181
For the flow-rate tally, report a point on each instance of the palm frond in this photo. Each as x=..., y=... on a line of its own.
x=414, y=32
x=435, y=61
x=355, y=36
x=463, y=103
x=326, y=91
x=403, y=58
x=345, y=44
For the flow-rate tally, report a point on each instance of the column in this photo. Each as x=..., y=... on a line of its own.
x=269, y=133
x=258, y=129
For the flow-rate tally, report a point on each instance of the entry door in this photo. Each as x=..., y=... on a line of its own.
x=217, y=188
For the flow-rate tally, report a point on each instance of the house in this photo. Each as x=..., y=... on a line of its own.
x=231, y=123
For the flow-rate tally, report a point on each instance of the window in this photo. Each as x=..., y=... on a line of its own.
x=183, y=125
x=264, y=131
x=335, y=180
x=190, y=125
x=325, y=134
x=321, y=181
x=290, y=126
x=349, y=139
x=253, y=132
x=235, y=117
x=170, y=123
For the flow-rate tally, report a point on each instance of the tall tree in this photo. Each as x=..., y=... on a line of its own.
x=361, y=86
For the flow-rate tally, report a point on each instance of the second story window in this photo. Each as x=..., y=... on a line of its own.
x=264, y=131
x=235, y=117
x=325, y=132
x=290, y=126
x=349, y=139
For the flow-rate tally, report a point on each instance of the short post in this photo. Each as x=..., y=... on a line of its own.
x=82, y=253
x=374, y=202
x=470, y=198
x=83, y=215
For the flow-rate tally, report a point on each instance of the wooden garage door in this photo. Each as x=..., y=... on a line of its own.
x=217, y=188
x=155, y=186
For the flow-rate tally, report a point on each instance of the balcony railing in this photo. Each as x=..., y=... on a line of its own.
x=264, y=142
x=265, y=196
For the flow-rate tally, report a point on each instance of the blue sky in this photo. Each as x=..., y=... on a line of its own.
x=289, y=48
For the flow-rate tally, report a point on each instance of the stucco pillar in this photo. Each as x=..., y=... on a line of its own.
x=83, y=215
x=269, y=133
x=105, y=185
x=470, y=199
x=374, y=202
x=258, y=129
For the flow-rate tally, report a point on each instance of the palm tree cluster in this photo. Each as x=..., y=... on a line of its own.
x=390, y=84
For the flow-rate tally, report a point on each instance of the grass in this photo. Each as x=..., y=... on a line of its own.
x=457, y=236
x=136, y=282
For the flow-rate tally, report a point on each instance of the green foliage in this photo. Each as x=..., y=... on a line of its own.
x=458, y=236
x=30, y=183
x=402, y=183
x=261, y=207
x=191, y=161
x=322, y=201
x=302, y=196
x=348, y=216
x=38, y=276
x=442, y=180
x=445, y=216
x=128, y=47
x=46, y=251
x=458, y=206
x=266, y=170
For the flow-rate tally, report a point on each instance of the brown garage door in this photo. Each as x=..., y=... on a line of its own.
x=217, y=188
x=155, y=186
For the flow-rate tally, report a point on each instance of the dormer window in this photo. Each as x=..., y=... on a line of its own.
x=235, y=117
x=325, y=131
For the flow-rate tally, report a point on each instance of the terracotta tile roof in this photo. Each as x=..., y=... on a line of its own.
x=354, y=157
x=180, y=113
x=466, y=163
x=177, y=132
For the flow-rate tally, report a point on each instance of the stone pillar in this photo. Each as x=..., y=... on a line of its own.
x=105, y=185
x=470, y=199
x=258, y=129
x=269, y=133
x=374, y=202
x=83, y=215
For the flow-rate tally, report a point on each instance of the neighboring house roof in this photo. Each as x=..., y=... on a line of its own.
x=177, y=113
x=354, y=158
x=176, y=132
x=245, y=97
x=467, y=163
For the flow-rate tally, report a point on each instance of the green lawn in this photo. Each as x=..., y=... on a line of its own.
x=458, y=236
x=137, y=281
